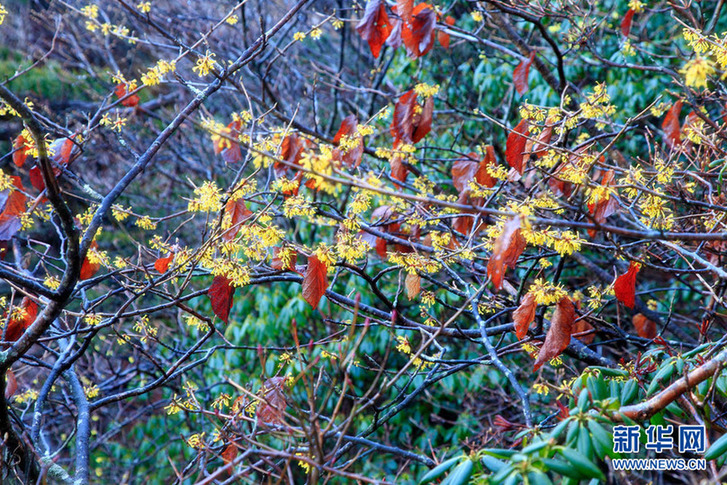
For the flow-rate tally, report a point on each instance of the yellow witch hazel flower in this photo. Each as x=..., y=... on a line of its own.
x=696, y=72
x=546, y=293
x=205, y=64
x=208, y=198
x=3, y=13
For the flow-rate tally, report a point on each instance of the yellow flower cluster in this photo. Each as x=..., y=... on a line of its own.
x=657, y=213
x=563, y=242
x=146, y=223
x=415, y=263
x=298, y=206
x=205, y=64
x=597, y=105
x=52, y=282
x=145, y=328
x=208, y=198
x=91, y=391
x=546, y=293
x=116, y=124
x=154, y=75
x=404, y=347
x=321, y=166
x=119, y=213
x=3, y=13
x=195, y=322
x=425, y=90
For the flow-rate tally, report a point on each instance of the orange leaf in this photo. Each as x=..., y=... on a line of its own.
x=625, y=285
x=239, y=213
x=413, y=284
x=626, y=22
x=221, y=294
x=162, y=264
x=582, y=325
x=20, y=153
x=507, y=249
x=670, y=125
x=129, y=102
x=442, y=36
x=374, y=27
x=60, y=151
x=520, y=74
x=315, y=281
x=17, y=326
x=13, y=203
x=418, y=34
x=559, y=333
x=603, y=208
x=229, y=453
x=423, y=121
x=464, y=171
x=352, y=156
x=515, y=149
x=645, y=328
x=11, y=385
x=272, y=404
x=524, y=315
x=278, y=263
x=404, y=9
x=402, y=122
x=88, y=269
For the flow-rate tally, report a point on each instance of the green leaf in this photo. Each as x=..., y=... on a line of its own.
x=439, y=470
x=717, y=448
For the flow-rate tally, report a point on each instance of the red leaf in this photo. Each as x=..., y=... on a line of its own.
x=162, y=264
x=413, y=285
x=442, y=36
x=17, y=326
x=36, y=178
x=394, y=39
x=239, y=213
x=559, y=333
x=418, y=35
x=645, y=328
x=20, y=152
x=88, y=269
x=603, y=208
x=399, y=171
x=353, y=154
x=315, y=281
x=524, y=315
x=670, y=125
x=483, y=177
x=520, y=74
x=11, y=385
x=229, y=453
x=463, y=171
x=507, y=249
x=278, y=263
x=582, y=325
x=221, y=294
x=374, y=27
x=60, y=151
x=516, y=141
x=273, y=402
x=404, y=9
x=423, y=121
x=120, y=92
x=14, y=206
x=401, y=122
x=626, y=22
x=625, y=285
